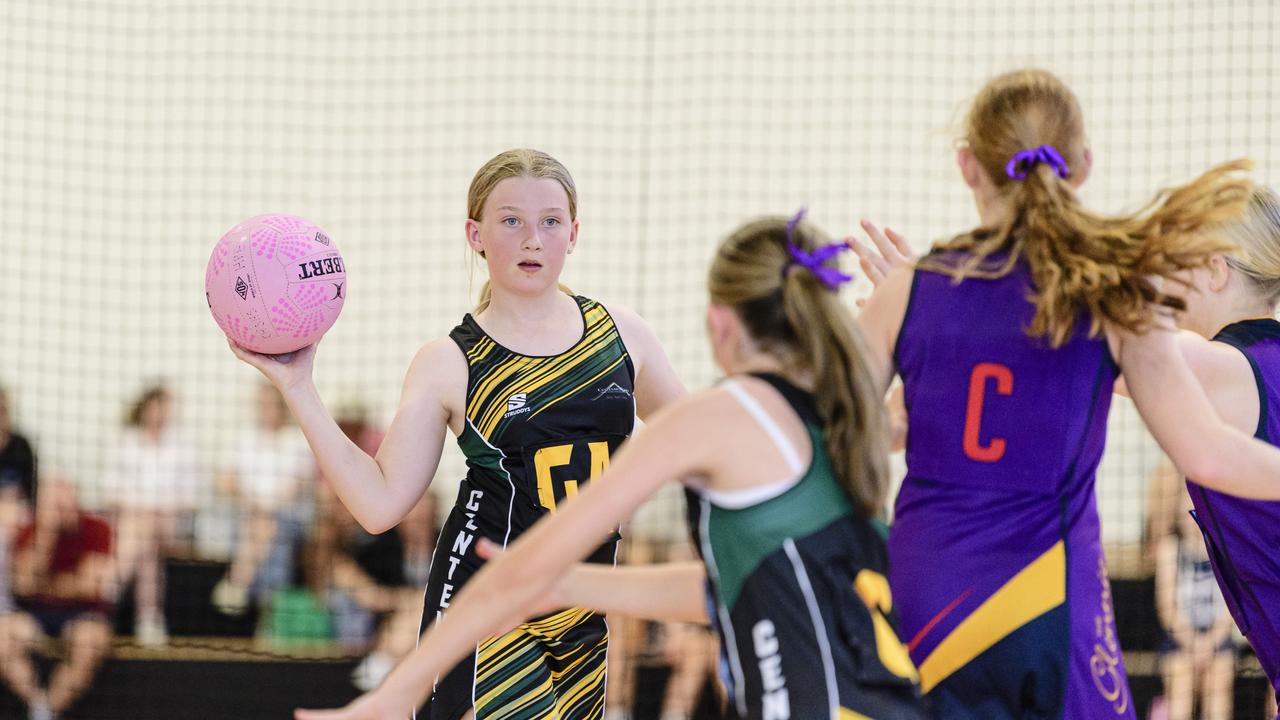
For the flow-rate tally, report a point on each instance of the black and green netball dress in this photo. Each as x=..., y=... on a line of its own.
x=538, y=429
x=797, y=578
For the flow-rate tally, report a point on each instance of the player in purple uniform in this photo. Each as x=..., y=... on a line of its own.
x=1008, y=339
x=1234, y=304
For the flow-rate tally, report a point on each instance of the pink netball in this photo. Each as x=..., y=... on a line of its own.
x=275, y=283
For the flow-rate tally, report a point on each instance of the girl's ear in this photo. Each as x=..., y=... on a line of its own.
x=573, y=237
x=724, y=331
x=472, y=229
x=970, y=170
x=1080, y=174
x=1219, y=272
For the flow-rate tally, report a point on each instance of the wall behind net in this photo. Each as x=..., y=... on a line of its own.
x=134, y=133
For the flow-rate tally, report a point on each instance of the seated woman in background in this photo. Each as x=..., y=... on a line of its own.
x=688, y=652
x=398, y=633
x=1198, y=652
x=63, y=587
x=270, y=470
x=152, y=487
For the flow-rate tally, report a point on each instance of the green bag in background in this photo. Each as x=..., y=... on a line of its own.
x=296, y=616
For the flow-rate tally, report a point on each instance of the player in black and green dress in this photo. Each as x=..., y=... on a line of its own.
x=540, y=387
x=538, y=429
x=786, y=463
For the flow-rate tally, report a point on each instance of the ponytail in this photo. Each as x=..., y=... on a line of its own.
x=797, y=316
x=1106, y=265
x=1026, y=131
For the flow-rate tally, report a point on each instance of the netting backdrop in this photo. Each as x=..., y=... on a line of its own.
x=133, y=134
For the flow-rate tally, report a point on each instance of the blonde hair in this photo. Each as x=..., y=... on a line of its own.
x=803, y=323
x=152, y=393
x=1079, y=259
x=520, y=162
x=1256, y=237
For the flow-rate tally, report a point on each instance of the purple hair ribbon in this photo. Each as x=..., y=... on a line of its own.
x=1023, y=161
x=815, y=262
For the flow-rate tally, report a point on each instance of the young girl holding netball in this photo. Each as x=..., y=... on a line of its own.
x=1009, y=339
x=783, y=481
x=540, y=387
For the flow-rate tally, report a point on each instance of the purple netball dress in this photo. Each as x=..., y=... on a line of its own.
x=997, y=565
x=1243, y=536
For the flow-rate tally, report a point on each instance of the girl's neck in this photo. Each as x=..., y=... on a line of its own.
x=993, y=206
x=541, y=325
x=763, y=362
x=1241, y=309
x=527, y=311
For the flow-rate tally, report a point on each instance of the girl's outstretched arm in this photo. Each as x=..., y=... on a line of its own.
x=378, y=492
x=663, y=592
x=508, y=589
x=1180, y=416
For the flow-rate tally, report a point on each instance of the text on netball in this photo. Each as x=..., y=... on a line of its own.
x=320, y=268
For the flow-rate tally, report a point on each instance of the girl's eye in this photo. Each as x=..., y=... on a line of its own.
x=552, y=222
x=510, y=222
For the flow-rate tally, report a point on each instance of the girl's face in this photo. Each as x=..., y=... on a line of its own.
x=155, y=414
x=524, y=234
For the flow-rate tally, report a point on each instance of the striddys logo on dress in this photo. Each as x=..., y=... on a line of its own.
x=516, y=405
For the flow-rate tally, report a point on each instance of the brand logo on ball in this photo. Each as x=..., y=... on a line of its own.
x=241, y=289
x=319, y=268
x=322, y=238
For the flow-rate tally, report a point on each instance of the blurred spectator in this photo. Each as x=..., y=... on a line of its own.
x=1198, y=653
x=367, y=577
x=152, y=486
x=690, y=651
x=355, y=573
x=17, y=459
x=63, y=587
x=399, y=632
x=17, y=490
x=271, y=466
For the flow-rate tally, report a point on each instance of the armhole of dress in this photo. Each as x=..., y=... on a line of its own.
x=466, y=360
x=617, y=331
x=770, y=427
x=895, y=356
x=1260, y=432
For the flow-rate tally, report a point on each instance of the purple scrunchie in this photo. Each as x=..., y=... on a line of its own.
x=815, y=262
x=1023, y=161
